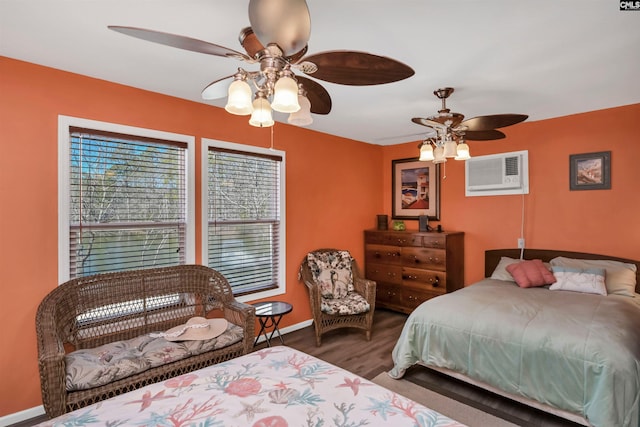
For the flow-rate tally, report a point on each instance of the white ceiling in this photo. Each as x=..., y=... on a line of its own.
x=544, y=58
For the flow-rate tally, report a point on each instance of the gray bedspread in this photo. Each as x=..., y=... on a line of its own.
x=573, y=351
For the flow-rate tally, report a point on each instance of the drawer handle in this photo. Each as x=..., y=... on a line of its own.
x=436, y=283
x=377, y=255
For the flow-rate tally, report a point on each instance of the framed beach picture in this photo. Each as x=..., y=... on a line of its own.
x=590, y=171
x=415, y=189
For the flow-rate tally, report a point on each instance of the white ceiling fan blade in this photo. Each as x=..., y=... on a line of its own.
x=217, y=89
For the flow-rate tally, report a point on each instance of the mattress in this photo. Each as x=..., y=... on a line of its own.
x=576, y=352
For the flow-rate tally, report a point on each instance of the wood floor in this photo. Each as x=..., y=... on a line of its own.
x=349, y=350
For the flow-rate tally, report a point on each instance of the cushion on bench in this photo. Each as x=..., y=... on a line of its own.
x=98, y=366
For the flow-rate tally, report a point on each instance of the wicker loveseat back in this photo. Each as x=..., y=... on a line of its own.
x=91, y=311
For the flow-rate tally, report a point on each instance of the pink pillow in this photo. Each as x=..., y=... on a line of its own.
x=531, y=273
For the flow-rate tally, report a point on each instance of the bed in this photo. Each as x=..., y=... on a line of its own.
x=274, y=387
x=570, y=353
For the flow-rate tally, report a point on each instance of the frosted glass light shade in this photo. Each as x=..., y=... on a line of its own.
x=463, y=152
x=426, y=153
x=261, y=116
x=285, y=95
x=438, y=153
x=239, y=98
x=302, y=117
x=450, y=148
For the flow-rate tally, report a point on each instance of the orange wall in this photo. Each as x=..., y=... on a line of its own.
x=335, y=187
x=597, y=221
x=333, y=192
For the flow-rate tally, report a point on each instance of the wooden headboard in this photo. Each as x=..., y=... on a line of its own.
x=492, y=257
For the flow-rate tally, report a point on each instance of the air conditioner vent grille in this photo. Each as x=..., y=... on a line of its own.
x=511, y=166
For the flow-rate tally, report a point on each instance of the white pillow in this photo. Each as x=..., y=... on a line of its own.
x=501, y=273
x=588, y=281
x=620, y=277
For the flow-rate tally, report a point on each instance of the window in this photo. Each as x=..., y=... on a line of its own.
x=126, y=200
x=243, y=209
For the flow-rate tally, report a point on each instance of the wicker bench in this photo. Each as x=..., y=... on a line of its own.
x=92, y=311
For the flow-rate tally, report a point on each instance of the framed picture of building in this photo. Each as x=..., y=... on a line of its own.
x=415, y=189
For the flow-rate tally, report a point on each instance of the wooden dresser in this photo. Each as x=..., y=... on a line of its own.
x=410, y=267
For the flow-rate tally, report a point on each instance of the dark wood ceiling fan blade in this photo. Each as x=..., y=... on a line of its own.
x=483, y=135
x=357, y=68
x=494, y=121
x=181, y=42
x=286, y=23
x=318, y=95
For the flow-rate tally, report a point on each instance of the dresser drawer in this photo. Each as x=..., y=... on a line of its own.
x=388, y=295
x=413, y=297
x=382, y=254
x=427, y=279
x=398, y=238
x=384, y=273
x=437, y=241
x=434, y=259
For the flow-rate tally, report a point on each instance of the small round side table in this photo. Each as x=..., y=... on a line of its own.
x=270, y=313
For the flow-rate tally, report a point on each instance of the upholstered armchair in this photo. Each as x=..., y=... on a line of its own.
x=340, y=296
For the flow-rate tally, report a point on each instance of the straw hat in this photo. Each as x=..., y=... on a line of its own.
x=196, y=328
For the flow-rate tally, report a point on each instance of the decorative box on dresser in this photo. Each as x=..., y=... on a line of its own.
x=410, y=267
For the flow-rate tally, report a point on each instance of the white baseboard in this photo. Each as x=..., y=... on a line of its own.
x=17, y=417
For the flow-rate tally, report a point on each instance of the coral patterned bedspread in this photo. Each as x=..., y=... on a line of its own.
x=274, y=387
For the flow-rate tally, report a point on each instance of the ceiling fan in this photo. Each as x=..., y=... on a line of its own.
x=277, y=41
x=451, y=130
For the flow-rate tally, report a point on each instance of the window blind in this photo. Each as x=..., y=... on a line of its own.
x=244, y=218
x=127, y=202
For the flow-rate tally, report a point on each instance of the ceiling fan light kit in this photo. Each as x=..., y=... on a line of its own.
x=285, y=94
x=452, y=131
x=261, y=115
x=302, y=117
x=462, y=152
x=239, y=100
x=277, y=40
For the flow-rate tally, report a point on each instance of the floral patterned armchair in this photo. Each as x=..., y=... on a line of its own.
x=340, y=297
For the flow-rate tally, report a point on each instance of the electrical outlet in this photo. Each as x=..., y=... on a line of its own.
x=521, y=243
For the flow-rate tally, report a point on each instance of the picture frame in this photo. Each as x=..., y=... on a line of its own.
x=590, y=171
x=415, y=189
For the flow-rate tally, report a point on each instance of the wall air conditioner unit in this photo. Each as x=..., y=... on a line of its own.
x=497, y=174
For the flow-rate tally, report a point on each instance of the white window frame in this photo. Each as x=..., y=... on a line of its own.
x=64, y=174
x=206, y=144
